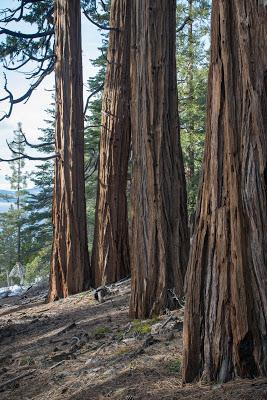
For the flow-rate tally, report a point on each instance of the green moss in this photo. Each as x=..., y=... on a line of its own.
x=101, y=331
x=140, y=327
x=122, y=350
x=119, y=335
x=26, y=361
x=154, y=319
x=143, y=327
x=175, y=366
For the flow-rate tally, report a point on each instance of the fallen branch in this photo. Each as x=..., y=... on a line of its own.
x=25, y=293
x=67, y=328
x=57, y=364
x=63, y=356
x=28, y=373
x=41, y=311
x=171, y=318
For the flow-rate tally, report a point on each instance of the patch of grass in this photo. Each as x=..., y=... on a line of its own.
x=133, y=364
x=81, y=295
x=154, y=319
x=143, y=327
x=101, y=331
x=119, y=335
x=175, y=366
x=140, y=327
x=26, y=361
x=122, y=350
x=90, y=300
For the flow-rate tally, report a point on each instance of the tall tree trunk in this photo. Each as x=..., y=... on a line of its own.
x=19, y=207
x=191, y=152
x=225, y=327
x=110, y=257
x=159, y=238
x=70, y=260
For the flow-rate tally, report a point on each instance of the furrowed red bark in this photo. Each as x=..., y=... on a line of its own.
x=225, y=327
x=69, y=270
x=159, y=234
x=110, y=256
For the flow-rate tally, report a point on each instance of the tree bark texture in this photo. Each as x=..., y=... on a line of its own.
x=110, y=256
x=69, y=271
x=159, y=234
x=225, y=327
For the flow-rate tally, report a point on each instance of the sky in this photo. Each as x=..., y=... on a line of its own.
x=32, y=114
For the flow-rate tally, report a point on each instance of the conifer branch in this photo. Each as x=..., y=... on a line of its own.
x=22, y=156
x=33, y=146
x=187, y=19
x=19, y=9
x=26, y=95
x=27, y=157
x=21, y=35
x=101, y=87
x=103, y=27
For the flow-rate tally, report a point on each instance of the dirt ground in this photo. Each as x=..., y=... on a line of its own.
x=79, y=349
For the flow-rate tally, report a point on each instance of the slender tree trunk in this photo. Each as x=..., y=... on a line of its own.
x=19, y=188
x=18, y=210
x=110, y=257
x=159, y=238
x=7, y=278
x=191, y=152
x=225, y=327
x=70, y=260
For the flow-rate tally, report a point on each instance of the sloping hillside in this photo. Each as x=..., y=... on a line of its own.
x=80, y=349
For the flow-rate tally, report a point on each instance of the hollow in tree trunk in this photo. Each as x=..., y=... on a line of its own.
x=225, y=327
x=110, y=256
x=69, y=271
x=159, y=234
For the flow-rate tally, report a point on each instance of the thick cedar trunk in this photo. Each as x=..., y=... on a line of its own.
x=225, y=327
x=159, y=237
x=110, y=257
x=70, y=260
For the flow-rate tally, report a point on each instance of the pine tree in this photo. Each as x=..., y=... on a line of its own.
x=38, y=228
x=192, y=71
x=18, y=182
x=8, y=243
x=20, y=50
x=39, y=203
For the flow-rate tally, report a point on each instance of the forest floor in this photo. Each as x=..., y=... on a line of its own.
x=79, y=349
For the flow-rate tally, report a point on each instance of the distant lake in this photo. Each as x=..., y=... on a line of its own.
x=4, y=206
x=6, y=203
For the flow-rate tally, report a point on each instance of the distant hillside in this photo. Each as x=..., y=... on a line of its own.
x=7, y=197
